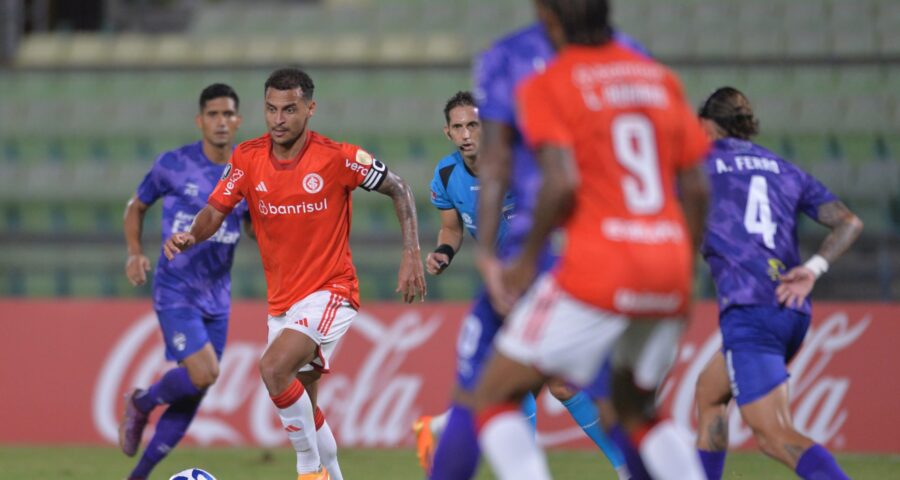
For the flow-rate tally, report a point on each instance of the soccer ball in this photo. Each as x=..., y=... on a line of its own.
x=193, y=474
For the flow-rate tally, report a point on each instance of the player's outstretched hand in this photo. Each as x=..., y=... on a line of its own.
x=136, y=268
x=411, y=278
x=795, y=286
x=492, y=273
x=436, y=263
x=178, y=243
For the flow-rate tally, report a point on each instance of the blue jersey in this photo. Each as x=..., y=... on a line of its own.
x=498, y=72
x=199, y=277
x=454, y=186
x=751, y=231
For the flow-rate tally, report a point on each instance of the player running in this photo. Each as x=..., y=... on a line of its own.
x=297, y=184
x=191, y=294
x=454, y=191
x=764, y=312
x=613, y=133
x=508, y=165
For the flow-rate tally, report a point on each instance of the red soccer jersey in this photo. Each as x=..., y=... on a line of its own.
x=301, y=213
x=627, y=122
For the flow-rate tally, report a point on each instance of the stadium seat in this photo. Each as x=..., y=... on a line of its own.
x=668, y=38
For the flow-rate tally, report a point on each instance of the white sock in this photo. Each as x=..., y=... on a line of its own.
x=328, y=451
x=300, y=426
x=668, y=454
x=508, y=444
x=438, y=423
x=623, y=473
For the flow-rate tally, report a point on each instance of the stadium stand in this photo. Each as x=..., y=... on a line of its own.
x=83, y=114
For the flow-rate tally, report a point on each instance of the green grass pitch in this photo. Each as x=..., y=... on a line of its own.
x=94, y=463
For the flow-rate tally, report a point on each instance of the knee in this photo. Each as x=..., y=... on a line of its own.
x=271, y=370
x=770, y=439
x=203, y=374
x=206, y=378
x=561, y=391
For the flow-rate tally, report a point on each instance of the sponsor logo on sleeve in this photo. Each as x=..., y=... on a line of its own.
x=236, y=175
x=363, y=157
x=226, y=172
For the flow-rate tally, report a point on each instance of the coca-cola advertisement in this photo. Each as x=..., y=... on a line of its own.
x=65, y=366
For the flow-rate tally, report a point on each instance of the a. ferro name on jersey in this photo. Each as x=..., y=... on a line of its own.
x=748, y=162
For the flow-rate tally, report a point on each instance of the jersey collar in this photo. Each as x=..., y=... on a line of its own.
x=292, y=164
x=462, y=161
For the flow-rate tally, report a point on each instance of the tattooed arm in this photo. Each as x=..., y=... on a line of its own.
x=845, y=229
x=411, y=278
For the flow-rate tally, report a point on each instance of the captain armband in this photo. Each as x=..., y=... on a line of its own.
x=375, y=177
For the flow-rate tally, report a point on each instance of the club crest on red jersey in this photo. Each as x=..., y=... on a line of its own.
x=313, y=183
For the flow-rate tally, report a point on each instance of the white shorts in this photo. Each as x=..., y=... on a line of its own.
x=566, y=338
x=322, y=316
x=559, y=335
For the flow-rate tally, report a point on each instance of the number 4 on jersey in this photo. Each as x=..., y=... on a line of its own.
x=758, y=214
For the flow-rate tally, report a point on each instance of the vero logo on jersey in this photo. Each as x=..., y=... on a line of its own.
x=236, y=175
x=355, y=167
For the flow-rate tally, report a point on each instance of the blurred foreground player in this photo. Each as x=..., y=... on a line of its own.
x=613, y=132
x=454, y=192
x=764, y=312
x=298, y=186
x=191, y=294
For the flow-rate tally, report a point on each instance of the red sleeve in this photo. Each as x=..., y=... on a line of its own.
x=361, y=169
x=230, y=189
x=695, y=143
x=539, y=116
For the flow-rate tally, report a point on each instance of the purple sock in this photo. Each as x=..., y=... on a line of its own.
x=169, y=430
x=713, y=463
x=457, y=453
x=175, y=385
x=632, y=456
x=817, y=464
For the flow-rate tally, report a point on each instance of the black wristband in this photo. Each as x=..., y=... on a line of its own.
x=446, y=250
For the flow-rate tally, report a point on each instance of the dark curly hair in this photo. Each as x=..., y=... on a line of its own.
x=731, y=111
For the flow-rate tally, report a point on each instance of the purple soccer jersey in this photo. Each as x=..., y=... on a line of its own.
x=201, y=276
x=751, y=231
x=497, y=73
